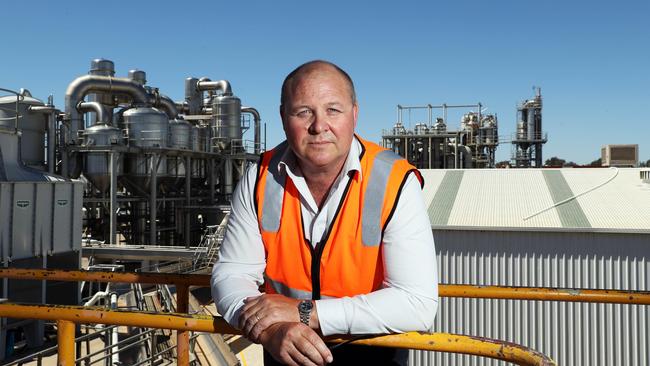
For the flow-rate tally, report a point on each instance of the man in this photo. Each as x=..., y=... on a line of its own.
x=336, y=229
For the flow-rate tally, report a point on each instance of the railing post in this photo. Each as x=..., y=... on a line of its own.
x=65, y=334
x=183, y=337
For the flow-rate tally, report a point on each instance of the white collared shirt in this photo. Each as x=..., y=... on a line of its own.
x=408, y=298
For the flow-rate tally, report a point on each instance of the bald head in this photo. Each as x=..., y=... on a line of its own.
x=309, y=68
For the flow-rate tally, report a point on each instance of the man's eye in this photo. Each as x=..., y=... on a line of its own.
x=304, y=113
x=333, y=111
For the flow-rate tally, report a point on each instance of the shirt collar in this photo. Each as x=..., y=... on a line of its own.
x=289, y=162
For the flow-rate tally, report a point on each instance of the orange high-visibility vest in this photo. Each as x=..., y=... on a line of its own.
x=348, y=261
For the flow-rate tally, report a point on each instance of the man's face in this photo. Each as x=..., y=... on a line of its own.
x=319, y=118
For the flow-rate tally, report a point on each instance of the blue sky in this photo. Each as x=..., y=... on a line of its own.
x=591, y=58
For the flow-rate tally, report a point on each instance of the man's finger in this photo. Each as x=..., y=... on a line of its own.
x=319, y=347
x=302, y=357
x=258, y=328
x=323, y=350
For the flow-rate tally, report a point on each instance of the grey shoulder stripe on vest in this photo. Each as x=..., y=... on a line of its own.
x=374, y=197
x=274, y=192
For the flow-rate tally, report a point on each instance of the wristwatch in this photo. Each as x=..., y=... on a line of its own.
x=304, y=310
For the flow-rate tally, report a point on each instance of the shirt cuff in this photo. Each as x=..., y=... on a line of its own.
x=331, y=316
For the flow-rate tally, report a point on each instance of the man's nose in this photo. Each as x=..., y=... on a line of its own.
x=319, y=124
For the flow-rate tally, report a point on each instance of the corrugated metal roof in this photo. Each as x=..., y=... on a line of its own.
x=607, y=199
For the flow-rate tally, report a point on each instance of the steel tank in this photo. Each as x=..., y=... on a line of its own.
x=439, y=127
x=180, y=133
x=226, y=119
x=97, y=164
x=101, y=67
x=146, y=127
x=398, y=129
x=521, y=130
x=33, y=126
x=489, y=130
x=421, y=129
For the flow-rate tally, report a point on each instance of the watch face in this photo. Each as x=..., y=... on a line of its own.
x=305, y=306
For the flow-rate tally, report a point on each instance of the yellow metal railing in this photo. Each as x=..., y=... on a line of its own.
x=183, y=282
x=67, y=316
x=434, y=342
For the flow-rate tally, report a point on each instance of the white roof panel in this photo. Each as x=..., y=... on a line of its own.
x=609, y=199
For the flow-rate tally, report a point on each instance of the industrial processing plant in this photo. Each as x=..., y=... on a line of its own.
x=430, y=145
x=136, y=177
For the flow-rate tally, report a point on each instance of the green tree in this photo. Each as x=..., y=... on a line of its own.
x=570, y=164
x=597, y=162
x=554, y=162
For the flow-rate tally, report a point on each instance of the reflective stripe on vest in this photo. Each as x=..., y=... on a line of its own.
x=372, y=205
x=282, y=289
x=374, y=198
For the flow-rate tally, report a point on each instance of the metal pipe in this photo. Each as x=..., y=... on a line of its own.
x=444, y=342
x=115, y=349
x=211, y=180
x=206, y=84
x=96, y=297
x=153, y=191
x=113, y=198
x=51, y=142
x=83, y=85
x=183, y=336
x=165, y=103
x=445, y=290
x=399, y=113
x=98, y=108
x=456, y=160
x=65, y=335
x=182, y=107
x=193, y=97
x=444, y=113
x=227, y=176
x=467, y=156
x=188, y=199
x=257, y=120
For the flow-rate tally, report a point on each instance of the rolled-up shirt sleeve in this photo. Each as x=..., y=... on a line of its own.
x=408, y=299
x=238, y=272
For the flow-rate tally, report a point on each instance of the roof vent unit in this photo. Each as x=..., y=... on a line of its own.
x=645, y=176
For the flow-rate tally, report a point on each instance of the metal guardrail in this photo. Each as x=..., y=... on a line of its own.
x=435, y=342
x=445, y=290
x=67, y=316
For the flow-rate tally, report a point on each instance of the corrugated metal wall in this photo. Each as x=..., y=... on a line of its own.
x=572, y=334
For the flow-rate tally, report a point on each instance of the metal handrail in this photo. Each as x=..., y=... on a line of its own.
x=445, y=290
x=183, y=282
x=67, y=316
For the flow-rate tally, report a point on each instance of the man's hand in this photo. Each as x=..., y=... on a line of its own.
x=260, y=312
x=295, y=344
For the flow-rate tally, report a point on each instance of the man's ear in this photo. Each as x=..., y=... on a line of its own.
x=282, y=117
x=355, y=111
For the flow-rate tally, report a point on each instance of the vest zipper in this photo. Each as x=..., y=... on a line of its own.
x=317, y=253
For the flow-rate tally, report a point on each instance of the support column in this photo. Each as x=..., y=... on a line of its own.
x=183, y=337
x=65, y=335
x=188, y=187
x=155, y=158
x=210, y=162
x=112, y=206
